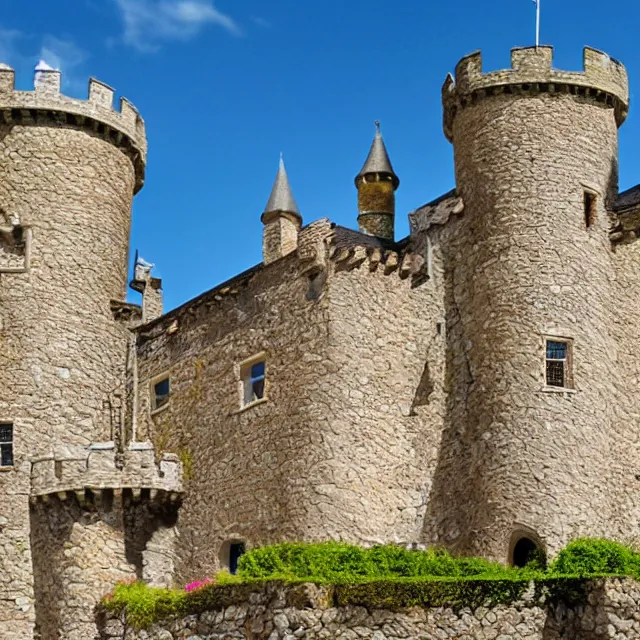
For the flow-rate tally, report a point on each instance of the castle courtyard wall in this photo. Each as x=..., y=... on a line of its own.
x=608, y=610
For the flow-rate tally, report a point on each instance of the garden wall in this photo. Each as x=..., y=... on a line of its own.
x=569, y=609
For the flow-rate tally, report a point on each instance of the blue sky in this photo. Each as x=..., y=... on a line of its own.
x=224, y=87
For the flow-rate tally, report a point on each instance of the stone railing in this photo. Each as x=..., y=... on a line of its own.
x=100, y=471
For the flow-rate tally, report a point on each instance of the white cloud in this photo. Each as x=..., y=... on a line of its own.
x=22, y=52
x=9, y=47
x=64, y=55
x=149, y=23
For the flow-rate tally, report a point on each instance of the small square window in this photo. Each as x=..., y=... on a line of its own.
x=160, y=394
x=6, y=445
x=253, y=376
x=558, y=363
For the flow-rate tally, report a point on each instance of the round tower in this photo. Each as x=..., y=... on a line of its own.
x=68, y=172
x=377, y=183
x=532, y=358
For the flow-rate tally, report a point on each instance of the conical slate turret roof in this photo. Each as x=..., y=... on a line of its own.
x=281, y=198
x=378, y=160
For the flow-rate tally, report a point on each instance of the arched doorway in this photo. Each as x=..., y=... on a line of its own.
x=526, y=550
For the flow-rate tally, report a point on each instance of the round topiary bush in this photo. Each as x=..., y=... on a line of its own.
x=586, y=556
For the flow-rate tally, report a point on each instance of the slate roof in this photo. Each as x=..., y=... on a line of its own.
x=378, y=160
x=627, y=199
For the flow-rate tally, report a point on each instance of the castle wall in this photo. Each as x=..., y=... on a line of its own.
x=388, y=402
x=344, y=444
x=608, y=609
x=250, y=474
x=626, y=408
x=521, y=265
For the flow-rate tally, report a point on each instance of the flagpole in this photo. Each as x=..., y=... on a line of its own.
x=537, y=23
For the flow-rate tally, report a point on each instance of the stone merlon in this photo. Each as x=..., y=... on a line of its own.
x=124, y=127
x=603, y=79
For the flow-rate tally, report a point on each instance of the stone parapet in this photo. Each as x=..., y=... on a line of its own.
x=102, y=470
x=603, y=79
x=124, y=127
x=598, y=610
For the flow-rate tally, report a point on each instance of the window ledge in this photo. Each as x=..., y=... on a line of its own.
x=246, y=407
x=6, y=468
x=558, y=390
x=164, y=407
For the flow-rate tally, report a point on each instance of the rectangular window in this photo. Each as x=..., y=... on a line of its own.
x=253, y=376
x=589, y=209
x=6, y=445
x=558, y=364
x=161, y=390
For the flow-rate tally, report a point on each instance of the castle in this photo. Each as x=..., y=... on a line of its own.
x=473, y=385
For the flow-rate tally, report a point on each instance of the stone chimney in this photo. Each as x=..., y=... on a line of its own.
x=377, y=184
x=150, y=288
x=281, y=219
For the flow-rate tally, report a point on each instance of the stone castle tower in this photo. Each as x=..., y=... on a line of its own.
x=68, y=173
x=536, y=164
x=471, y=385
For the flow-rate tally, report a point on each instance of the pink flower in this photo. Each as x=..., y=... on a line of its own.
x=192, y=586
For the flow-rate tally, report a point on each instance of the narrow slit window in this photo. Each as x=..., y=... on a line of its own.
x=589, y=209
x=558, y=363
x=161, y=393
x=253, y=381
x=6, y=445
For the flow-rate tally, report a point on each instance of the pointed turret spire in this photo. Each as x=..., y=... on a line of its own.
x=281, y=219
x=378, y=160
x=281, y=198
x=376, y=185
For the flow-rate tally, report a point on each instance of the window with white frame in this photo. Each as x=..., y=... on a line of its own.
x=160, y=392
x=559, y=361
x=253, y=378
x=6, y=445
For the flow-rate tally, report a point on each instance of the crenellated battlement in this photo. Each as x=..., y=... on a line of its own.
x=98, y=471
x=603, y=79
x=123, y=127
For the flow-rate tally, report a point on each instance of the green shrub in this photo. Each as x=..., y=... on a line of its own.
x=322, y=562
x=387, y=576
x=342, y=563
x=144, y=605
x=587, y=556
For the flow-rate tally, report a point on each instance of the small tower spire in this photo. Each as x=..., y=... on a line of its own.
x=281, y=219
x=376, y=184
x=281, y=199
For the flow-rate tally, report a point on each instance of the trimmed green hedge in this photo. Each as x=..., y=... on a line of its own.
x=334, y=562
x=388, y=577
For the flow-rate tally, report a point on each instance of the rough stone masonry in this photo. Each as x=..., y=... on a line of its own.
x=609, y=611
x=472, y=385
